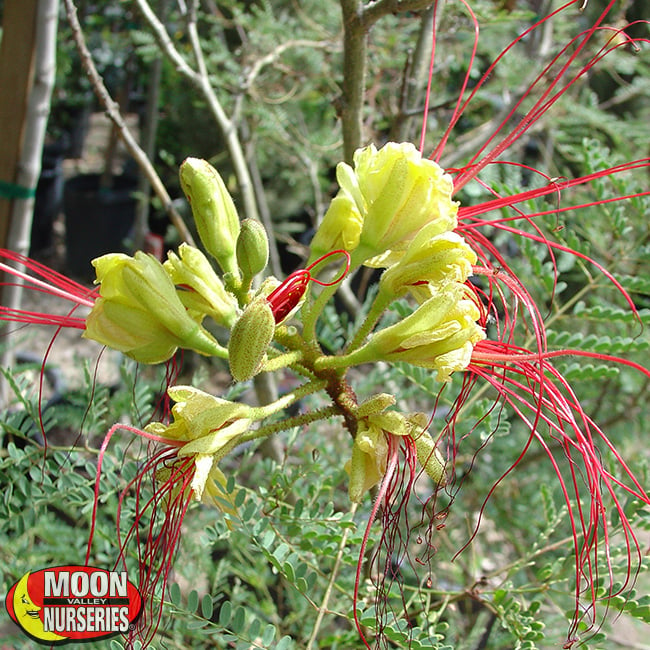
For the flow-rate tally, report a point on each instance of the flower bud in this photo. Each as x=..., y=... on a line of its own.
x=213, y=209
x=250, y=338
x=139, y=313
x=252, y=249
x=429, y=456
x=203, y=292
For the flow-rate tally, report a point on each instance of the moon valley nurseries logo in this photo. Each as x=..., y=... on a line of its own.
x=73, y=603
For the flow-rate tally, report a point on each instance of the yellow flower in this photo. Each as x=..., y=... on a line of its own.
x=389, y=196
x=432, y=256
x=207, y=295
x=370, y=450
x=440, y=334
x=206, y=424
x=139, y=312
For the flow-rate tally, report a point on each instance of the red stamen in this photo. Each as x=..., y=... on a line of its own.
x=285, y=297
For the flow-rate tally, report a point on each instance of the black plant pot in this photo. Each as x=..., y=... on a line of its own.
x=97, y=221
x=49, y=194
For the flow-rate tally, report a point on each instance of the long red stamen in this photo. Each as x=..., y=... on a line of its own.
x=289, y=293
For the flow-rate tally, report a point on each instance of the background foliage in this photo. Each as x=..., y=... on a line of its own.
x=284, y=576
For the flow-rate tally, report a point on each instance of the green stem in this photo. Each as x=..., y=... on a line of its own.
x=343, y=361
x=374, y=314
x=289, y=423
x=313, y=311
x=282, y=361
x=261, y=412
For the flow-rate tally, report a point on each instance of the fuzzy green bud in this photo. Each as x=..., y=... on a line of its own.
x=252, y=249
x=213, y=210
x=429, y=457
x=249, y=340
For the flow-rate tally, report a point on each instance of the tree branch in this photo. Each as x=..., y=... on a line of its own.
x=355, y=35
x=113, y=112
x=376, y=10
x=202, y=82
x=357, y=22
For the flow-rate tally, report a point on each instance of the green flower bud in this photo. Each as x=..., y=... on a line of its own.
x=139, y=312
x=249, y=340
x=252, y=249
x=429, y=457
x=203, y=292
x=213, y=209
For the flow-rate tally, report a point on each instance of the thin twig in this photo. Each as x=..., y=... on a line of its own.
x=202, y=81
x=322, y=610
x=376, y=10
x=113, y=112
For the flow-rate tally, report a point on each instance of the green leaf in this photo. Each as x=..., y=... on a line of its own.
x=175, y=594
x=207, y=606
x=238, y=621
x=285, y=643
x=269, y=635
x=192, y=600
x=225, y=612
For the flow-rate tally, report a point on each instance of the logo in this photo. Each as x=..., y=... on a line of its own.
x=73, y=603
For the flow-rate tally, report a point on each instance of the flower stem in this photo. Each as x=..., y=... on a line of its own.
x=289, y=423
x=377, y=308
x=342, y=361
x=260, y=412
x=282, y=361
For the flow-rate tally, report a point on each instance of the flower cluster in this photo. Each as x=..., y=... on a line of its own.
x=395, y=211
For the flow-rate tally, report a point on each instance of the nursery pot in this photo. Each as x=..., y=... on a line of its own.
x=49, y=194
x=97, y=220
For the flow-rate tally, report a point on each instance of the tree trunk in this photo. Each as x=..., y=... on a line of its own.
x=37, y=81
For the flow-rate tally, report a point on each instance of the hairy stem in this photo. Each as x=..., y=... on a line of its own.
x=289, y=423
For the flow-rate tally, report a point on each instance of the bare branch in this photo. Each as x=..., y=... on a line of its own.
x=202, y=82
x=357, y=22
x=257, y=67
x=415, y=75
x=355, y=35
x=376, y=10
x=113, y=112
